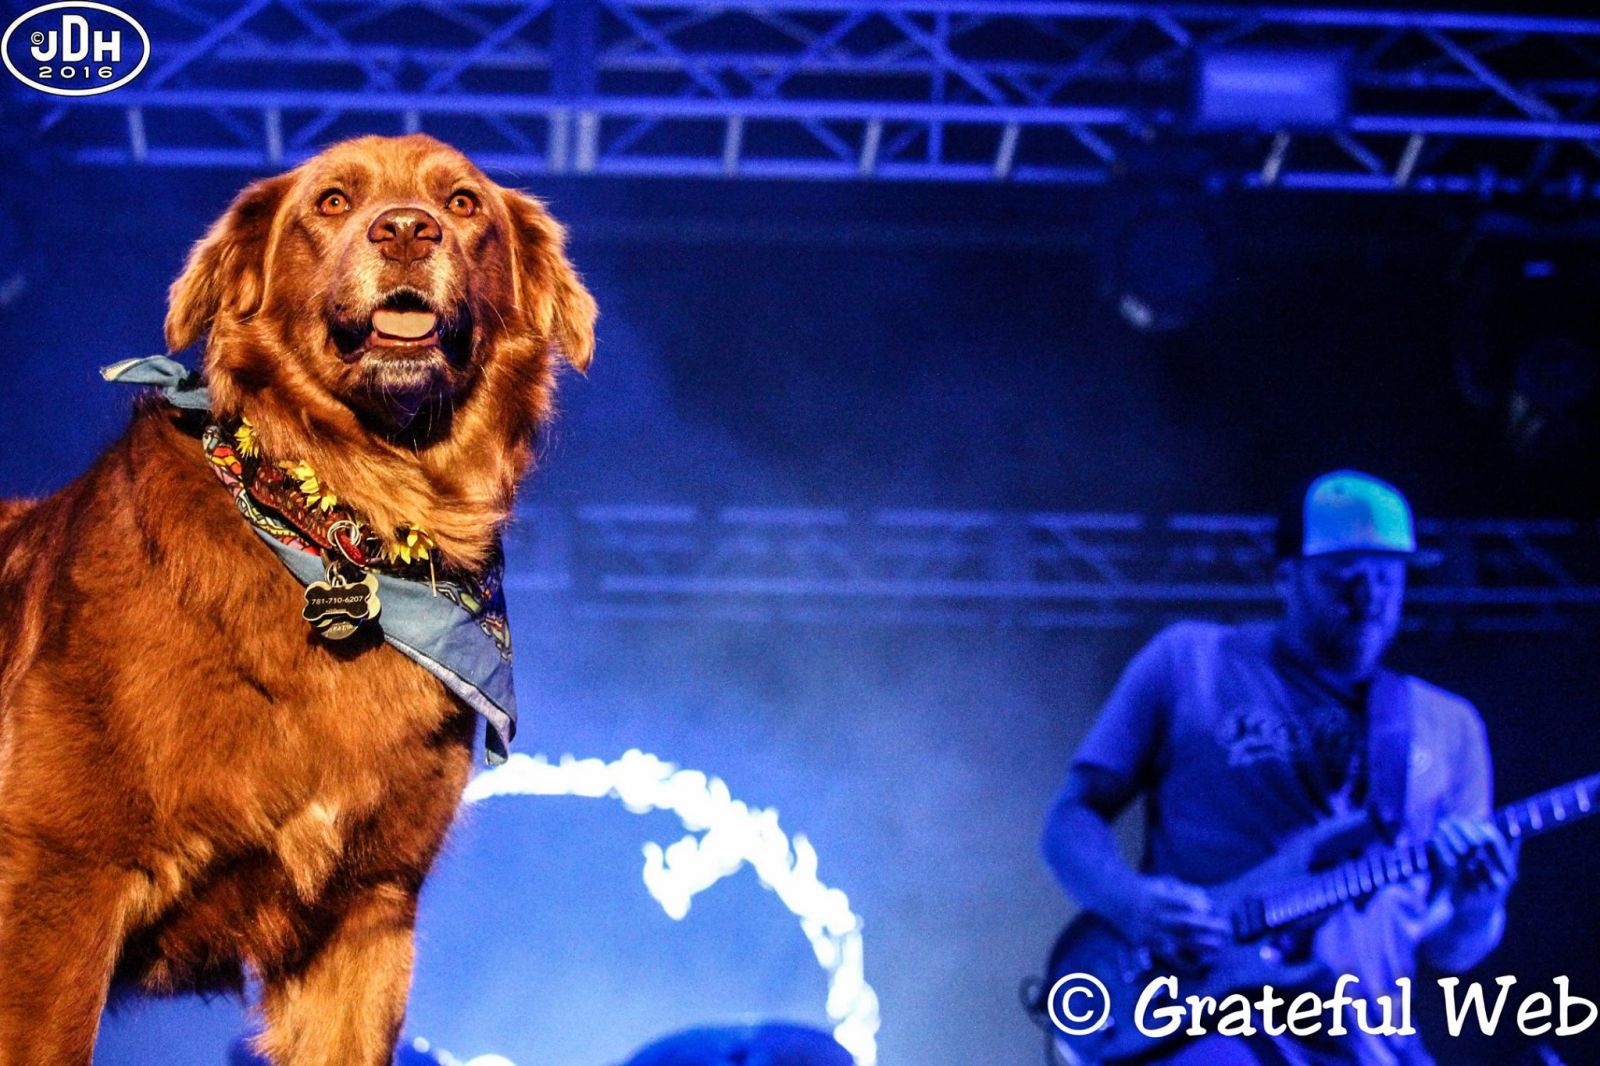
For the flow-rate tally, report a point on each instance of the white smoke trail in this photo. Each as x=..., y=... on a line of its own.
x=723, y=835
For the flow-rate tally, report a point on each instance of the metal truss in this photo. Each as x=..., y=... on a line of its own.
x=936, y=90
x=1100, y=571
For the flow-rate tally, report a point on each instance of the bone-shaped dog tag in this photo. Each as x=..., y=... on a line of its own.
x=338, y=606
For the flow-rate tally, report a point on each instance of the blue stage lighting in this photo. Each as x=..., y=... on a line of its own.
x=1271, y=89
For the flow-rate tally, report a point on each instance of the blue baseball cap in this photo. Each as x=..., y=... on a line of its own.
x=1347, y=511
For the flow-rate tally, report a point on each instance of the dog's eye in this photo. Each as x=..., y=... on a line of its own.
x=333, y=203
x=464, y=204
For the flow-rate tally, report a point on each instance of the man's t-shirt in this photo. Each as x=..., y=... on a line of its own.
x=1236, y=747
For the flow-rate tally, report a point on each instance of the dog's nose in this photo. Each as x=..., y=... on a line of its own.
x=405, y=234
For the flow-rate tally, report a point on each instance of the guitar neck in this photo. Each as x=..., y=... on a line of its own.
x=1360, y=878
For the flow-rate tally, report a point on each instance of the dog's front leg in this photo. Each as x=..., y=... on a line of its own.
x=60, y=931
x=344, y=1005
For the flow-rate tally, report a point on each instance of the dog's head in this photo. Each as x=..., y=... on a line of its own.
x=390, y=276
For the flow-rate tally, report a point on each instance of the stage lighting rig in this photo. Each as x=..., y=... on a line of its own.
x=1270, y=90
x=1165, y=251
x=1528, y=347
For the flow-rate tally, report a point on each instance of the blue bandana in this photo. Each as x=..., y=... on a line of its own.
x=426, y=621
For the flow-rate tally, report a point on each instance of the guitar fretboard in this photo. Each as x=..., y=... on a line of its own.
x=1360, y=878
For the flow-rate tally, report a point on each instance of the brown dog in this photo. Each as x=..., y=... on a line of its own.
x=194, y=784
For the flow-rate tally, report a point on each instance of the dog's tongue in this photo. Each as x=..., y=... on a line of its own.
x=405, y=325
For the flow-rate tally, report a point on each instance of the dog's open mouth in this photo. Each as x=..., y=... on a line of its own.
x=403, y=329
x=405, y=324
x=407, y=350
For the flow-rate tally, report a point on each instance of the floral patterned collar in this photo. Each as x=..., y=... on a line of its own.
x=450, y=622
x=287, y=502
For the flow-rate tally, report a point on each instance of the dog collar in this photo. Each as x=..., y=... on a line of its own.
x=451, y=623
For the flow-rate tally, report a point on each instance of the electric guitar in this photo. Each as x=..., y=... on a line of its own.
x=1280, y=901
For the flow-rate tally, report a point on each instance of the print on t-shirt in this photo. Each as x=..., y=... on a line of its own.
x=1319, y=743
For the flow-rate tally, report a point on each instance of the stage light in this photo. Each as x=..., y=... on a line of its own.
x=730, y=836
x=1270, y=90
x=1164, y=255
x=1528, y=343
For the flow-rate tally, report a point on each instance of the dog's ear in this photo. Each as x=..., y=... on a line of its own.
x=548, y=288
x=226, y=268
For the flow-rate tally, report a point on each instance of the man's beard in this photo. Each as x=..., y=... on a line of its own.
x=1354, y=649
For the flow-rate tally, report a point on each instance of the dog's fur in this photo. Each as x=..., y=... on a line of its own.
x=194, y=786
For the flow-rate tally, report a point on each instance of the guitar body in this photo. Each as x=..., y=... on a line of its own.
x=1091, y=945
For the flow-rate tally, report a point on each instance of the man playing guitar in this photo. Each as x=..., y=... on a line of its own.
x=1240, y=737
